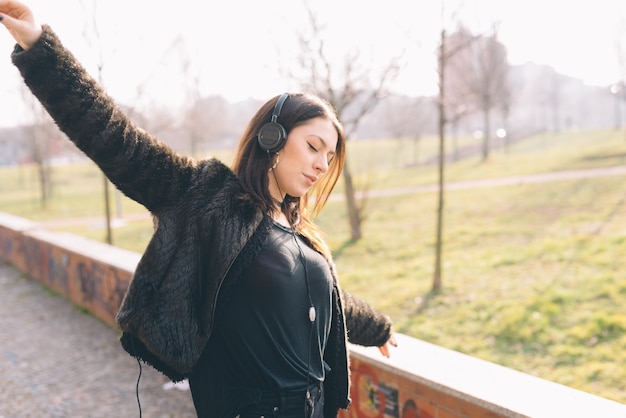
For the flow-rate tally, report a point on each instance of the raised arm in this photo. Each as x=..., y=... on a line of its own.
x=139, y=165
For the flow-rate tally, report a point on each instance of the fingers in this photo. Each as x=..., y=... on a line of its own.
x=20, y=22
x=392, y=341
x=13, y=8
x=384, y=350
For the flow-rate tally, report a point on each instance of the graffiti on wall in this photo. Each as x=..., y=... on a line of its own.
x=6, y=247
x=374, y=398
x=57, y=269
x=11, y=248
x=42, y=261
x=85, y=281
x=100, y=285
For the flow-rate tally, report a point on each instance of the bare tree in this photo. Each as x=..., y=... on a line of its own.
x=458, y=53
x=143, y=109
x=505, y=109
x=192, y=118
x=442, y=61
x=91, y=33
x=551, y=100
x=405, y=118
x=455, y=112
x=448, y=47
x=478, y=72
x=456, y=101
x=204, y=118
x=619, y=89
x=41, y=134
x=351, y=87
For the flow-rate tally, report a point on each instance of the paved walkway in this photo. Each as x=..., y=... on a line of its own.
x=428, y=188
x=56, y=361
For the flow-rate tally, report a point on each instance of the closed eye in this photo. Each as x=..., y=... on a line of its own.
x=331, y=155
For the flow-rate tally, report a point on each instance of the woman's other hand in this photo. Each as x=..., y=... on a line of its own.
x=20, y=22
x=385, y=349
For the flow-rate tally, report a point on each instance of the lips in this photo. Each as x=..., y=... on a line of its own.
x=310, y=179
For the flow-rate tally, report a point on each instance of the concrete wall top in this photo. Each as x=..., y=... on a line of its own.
x=504, y=391
x=16, y=223
x=107, y=254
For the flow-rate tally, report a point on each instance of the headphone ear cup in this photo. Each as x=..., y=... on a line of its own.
x=271, y=136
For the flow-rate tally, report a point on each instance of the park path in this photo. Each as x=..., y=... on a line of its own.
x=503, y=181
x=470, y=184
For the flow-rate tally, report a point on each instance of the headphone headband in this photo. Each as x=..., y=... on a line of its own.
x=279, y=106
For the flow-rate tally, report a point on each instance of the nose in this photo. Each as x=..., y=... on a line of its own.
x=321, y=164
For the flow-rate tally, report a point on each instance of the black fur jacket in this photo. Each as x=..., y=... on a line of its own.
x=206, y=231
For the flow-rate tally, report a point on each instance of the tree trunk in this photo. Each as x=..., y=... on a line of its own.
x=486, y=134
x=442, y=136
x=354, y=213
x=107, y=210
x=44, y=182
x=455, y=140
x=417, y=151
x=440, y=205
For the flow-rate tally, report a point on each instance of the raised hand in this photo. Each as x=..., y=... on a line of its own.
x=20, y=22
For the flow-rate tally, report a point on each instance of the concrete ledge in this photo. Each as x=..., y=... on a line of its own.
x=427, y=381
x=420, y=380
x=110, y=255
x=16, y=223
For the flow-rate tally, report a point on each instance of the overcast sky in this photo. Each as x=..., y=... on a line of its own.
x=232, y=46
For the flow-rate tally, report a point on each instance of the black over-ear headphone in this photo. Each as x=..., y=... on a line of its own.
x=272, y=135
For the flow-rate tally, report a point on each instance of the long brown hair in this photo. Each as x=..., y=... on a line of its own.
x=252, y=163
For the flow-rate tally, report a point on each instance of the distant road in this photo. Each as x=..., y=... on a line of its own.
x=459, y=185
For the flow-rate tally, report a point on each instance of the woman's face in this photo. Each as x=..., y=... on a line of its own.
x=304, y=159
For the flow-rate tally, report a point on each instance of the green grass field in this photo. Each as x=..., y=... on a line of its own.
x=533, y=276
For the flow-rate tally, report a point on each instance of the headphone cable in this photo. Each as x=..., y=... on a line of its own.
x=132, y=342
x=137, y=387
x=311, y=312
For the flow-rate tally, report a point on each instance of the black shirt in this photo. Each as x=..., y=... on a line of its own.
x=266, y=337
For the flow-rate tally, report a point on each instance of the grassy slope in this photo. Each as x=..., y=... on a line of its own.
x=533, y=277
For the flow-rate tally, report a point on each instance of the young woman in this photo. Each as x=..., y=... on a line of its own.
x=236, y=290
